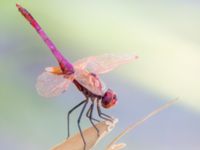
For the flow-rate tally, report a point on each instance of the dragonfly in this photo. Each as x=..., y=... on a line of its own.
x=84, y=74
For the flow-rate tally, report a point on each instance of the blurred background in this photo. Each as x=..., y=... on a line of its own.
x=165, y=35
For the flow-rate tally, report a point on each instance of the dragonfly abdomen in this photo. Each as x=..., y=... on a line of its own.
x=65, y=65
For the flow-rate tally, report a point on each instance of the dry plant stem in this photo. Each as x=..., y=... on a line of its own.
x=90, y=134
x=112, y=145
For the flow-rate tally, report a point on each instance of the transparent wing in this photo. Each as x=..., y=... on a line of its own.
x=49, y=84
x=82, y=63
x=90, y=82
x=103, y=64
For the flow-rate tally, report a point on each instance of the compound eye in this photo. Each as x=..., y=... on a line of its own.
x=109, y=100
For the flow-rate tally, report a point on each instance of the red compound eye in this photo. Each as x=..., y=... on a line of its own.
x=109, y=99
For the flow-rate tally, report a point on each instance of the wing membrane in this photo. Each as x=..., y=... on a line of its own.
x=50, y=85
x=90, y=81
x=105, y=63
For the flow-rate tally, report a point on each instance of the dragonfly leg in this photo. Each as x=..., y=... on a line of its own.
x=91, y=119
x=102, y=115
x=88, y=115
x=68, y=116
x=78, y=122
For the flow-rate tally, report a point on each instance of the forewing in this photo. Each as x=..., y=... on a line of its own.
x=90, y=82
x=50, y=85
x=105, y=63
x=83, y=63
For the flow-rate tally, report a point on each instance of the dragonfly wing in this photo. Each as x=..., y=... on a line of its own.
x=105, y=63
x=83, y=63
x=90, y=82
x=49, y=84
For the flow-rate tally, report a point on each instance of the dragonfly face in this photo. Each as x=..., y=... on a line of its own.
x=109, y=99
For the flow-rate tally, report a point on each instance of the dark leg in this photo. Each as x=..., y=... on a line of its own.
x=102, y=115
x=79, y=119
x=90, y=117
x=68, y=115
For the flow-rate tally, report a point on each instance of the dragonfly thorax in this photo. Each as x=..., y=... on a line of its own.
x=108, y=99
x=85, y=91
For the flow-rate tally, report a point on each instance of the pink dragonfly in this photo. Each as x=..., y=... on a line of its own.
x=83, y=73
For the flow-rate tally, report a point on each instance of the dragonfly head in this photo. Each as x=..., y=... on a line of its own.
x=109, y=99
